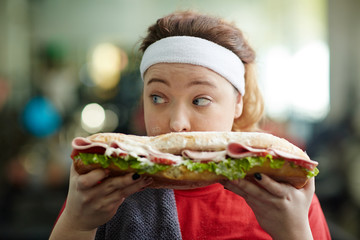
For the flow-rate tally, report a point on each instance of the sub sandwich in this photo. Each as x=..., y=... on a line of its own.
x=194, y=159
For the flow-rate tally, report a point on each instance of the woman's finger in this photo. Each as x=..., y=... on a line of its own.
x=120, y=195
x=275, y=188
x=310, y=186
x=309, y=189
x=246, y=189
x=116, y=195
x=138, y=186
x=127, y=184
x=91, y=179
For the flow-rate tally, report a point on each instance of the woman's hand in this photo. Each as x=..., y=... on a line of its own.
x=281, y=210
x=93, y=199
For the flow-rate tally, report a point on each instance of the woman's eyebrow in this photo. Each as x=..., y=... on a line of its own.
x=201, y=82
x=152, y=80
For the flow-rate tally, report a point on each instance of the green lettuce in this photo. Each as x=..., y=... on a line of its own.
x=230, y=168
x=233, y=168
x=121, y=162
x=312, y=173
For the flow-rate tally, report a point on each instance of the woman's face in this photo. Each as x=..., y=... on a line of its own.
x=183, y=97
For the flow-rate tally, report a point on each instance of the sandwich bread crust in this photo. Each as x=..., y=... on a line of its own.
x=179, y=177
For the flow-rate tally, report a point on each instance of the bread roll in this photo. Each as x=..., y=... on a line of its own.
x=296, y=167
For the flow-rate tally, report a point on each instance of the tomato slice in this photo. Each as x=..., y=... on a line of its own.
x=122, y=154
x=164, y=161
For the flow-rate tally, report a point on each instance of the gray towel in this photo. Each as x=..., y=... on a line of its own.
x=149, y=214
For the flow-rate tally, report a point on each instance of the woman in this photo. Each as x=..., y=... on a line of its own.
x=198, y=76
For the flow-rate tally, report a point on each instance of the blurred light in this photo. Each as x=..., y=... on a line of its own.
x=84, y=75
x=40, y=117
x=107, y=62
x=276, y=90
x=297, y=84
x=34, y=164
x=311, y=95
x=93, y=118
x=111, y=120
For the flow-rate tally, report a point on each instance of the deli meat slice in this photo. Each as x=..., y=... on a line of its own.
x=117, y=148
x=303, y=162
x=164, y=158
x=81, y=144
x=198, y=156
x=237, y=150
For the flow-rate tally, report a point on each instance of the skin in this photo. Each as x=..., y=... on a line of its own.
x=281, y=210
x=184, y=97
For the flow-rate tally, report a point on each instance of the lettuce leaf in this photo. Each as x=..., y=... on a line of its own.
x=230, y=168
x=312, y=173
x=121, y=162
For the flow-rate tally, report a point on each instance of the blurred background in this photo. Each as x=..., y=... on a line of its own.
x=70, y=68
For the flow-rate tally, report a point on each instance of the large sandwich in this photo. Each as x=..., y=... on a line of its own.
x=194, y=159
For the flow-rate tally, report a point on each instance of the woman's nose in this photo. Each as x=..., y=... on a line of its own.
x=179, y=120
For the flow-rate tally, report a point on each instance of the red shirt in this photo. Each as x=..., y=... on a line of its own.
x=229, y=216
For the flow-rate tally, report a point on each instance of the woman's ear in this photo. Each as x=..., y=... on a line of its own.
x=238, y=106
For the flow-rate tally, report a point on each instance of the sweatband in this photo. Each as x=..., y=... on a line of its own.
x=196, y=51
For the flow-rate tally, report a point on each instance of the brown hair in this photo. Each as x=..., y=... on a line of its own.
x=189, y=23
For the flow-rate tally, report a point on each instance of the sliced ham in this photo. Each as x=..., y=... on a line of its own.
x=198, y=156
x=164, y=158
x=81, y=144
x=115, y=148
x=151, y=155
x=237, y=150
x=303, y=162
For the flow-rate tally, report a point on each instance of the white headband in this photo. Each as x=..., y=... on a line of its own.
x=196, y=51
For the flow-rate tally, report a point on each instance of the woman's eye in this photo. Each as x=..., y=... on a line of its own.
x=157, y=99
x=201, y=101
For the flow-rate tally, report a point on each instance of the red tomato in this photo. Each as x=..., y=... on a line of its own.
x=162, y=161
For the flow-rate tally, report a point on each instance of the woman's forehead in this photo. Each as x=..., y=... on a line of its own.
x=175, y=71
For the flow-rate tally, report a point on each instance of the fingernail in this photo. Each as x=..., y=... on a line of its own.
x=257, y=176
x=135, y=176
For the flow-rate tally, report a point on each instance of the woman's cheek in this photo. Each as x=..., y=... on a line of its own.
x=156, y=130
x=154, y=125
x=217, y=122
